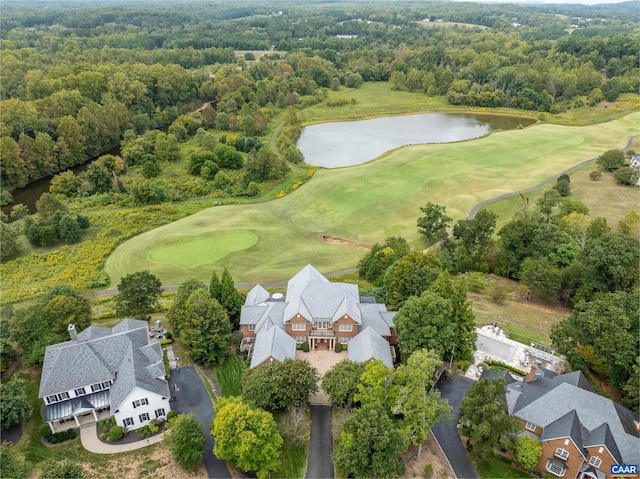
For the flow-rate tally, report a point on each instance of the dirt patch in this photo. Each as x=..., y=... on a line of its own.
x=330, y=239
x=153, y=462
x=431, y=454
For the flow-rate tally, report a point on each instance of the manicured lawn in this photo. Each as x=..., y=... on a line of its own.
x=230, y=376
x=495, y=469
x=187, y=252
x=367, y=203
x=293, y=461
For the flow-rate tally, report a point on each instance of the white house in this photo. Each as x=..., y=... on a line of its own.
x=103, y=372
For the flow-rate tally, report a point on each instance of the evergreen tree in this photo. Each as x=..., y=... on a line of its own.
x=215, y=288
x=230, y=299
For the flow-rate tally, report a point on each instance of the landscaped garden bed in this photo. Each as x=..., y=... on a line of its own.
x=110, y=433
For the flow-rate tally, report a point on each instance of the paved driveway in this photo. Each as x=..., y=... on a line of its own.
x=191, y=396
x=319, y=464
x=454, y=390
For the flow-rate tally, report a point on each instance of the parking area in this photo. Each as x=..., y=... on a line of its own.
x=322, y=360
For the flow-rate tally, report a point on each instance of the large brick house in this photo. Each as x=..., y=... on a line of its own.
x=318, y=312
x=582, y=433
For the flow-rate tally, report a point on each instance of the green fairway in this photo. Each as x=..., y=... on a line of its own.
x=364, y=204
x=189, y=251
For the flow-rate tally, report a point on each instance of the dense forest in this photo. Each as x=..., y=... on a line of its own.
x=77, y=78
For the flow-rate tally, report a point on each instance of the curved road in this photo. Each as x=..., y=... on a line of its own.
x=484, y=203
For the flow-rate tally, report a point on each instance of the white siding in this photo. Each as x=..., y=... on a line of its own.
x=126, y=409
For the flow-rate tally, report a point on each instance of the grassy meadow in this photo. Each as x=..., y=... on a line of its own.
x=363, y=204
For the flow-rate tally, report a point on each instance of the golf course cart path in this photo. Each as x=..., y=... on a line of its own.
x=484, y=203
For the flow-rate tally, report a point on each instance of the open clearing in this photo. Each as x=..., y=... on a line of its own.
x=364, y=204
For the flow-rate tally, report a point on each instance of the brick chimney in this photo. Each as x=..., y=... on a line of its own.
x=72, y=332
x=532, y=374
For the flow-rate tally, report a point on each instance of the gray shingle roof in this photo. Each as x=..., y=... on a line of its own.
x=372, y=318
x=251, y=314
x=324, y=299
x=125, y=357
x=273, y=342
x=567, y=426
x=544, y=401
x=257, y=295
x=368, y=345
x=601, y=436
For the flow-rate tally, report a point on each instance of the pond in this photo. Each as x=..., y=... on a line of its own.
x=348, y=143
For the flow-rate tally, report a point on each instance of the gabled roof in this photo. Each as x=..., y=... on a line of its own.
x=324, y=299
x=544, y=401
x=275, y=343
x=349, y=305
x=124, y=357
x=369, y=345
x=373, y=317
x=257, y=295
x=601, y=436
x=567, y=426
x=251, y=314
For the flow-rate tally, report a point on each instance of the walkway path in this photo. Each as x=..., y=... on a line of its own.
x=454, y=391
x=92, y=443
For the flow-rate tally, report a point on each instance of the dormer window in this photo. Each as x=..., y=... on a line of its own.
x=252, y=327
x=79, y=392
x=322, y=325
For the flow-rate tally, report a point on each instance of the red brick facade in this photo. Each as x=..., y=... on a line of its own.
x=555, y=449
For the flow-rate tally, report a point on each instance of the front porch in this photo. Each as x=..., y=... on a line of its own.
x=78, y=412
x=323, y=339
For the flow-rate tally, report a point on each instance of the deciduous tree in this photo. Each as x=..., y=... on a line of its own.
x=527, y=451
x=370, y=444
x=420, y=406
x=138, y=295
x=425, y=322
x=484, y=413
x=410, y=276
x=245, y=436
x=434, y=223
x=611, y=160
x=186, y=441
x=15, y=403
x=341, y=382
x=177, y=315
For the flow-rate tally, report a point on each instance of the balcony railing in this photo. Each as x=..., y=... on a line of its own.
x=321, y=334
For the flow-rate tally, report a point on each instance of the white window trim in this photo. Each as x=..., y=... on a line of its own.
x=595, y=461
x=322, y=325
x=144, y=417
x=298, y=327
x=530, y=427
x=128, y=421
x=343, y=339
x=79, y=392
x=561, y=453
x=345, y=327
x=159, y=413
x=300, y=339
x=559, y=474
x=252, y=327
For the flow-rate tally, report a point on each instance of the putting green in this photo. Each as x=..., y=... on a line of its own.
x=366, y=203
x=189, y=252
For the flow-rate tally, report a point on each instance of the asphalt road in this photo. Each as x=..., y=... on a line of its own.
x=319, y=464
x=191, y=396
x=454, y=390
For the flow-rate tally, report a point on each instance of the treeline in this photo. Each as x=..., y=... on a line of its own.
x=74, y=80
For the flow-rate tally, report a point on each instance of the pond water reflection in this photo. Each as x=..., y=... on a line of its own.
x=349, y=143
